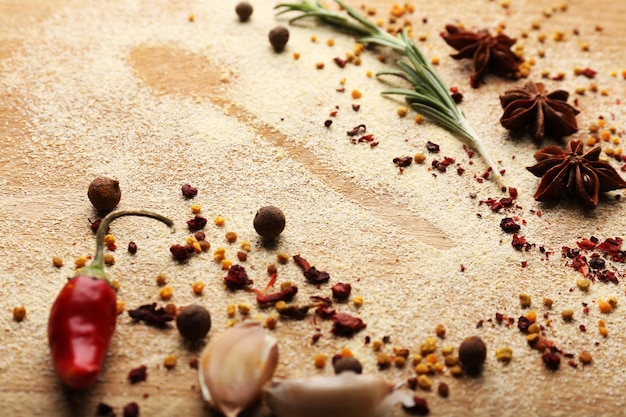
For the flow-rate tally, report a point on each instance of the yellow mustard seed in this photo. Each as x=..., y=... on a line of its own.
x=330, y=42
x=542, y=37
x=242, y=256
x=356, y=94
x=226, y=264
x=80, y=261
x=19, y=313
x=580, y=91
x=447, y=350
x=219, y=254
x=504, y=354
x=601, y=122
x=399, y=362
x=604, y=306
x=547, y=303
x=231, y=237
x=585, y=357
x=416, y=358
x=313, y=38
x=377, y=345
x=536, y=25
x=422, y=368
x=456, y=371
x=219, y=221
x=440, y=331
x=280, y=305
x=383, y=360
x=244, y=309
x=197, y=287
x=603, y=331
x=296, y=55
x=109, y=259
x=319, y=65
x=231, y=309
x=534, y=328
x=418, y=118
x=567, y=314
x=170, y=361
x=109, y=239
x=342, y=81
x=524, y=300
x=531, y=316
x=197, y=247
x=615, y=140
x=357, y=301
x=424, y=382
x=271, y=322
x=583, y=284
x=119, y=307
x=57, y=261
x=166, y=292
x=204, y=245
x=439, y=367
x=451, y=360
x=422, y=37
x=190, y=240
x=429, y=346
x=434, y=60
x=245, y=245
x=319, y=361
x=419, y=158
x=196, y=208
x=590, y=141
x=612, y=301
x=402, y=111
x=532, y=338
x=115, y=284
x=161, y=279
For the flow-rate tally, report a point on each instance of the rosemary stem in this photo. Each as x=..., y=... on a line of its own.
x=475, y=142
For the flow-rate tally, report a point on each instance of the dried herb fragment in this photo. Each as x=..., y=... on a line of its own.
x=486, y=51
x=312, y=274
x=149, y=314
x=286, y=294
x=293, y=312
x=403, y=161
x=346, y=325
x=543, y=113
x=578, y=174
x=237, y=278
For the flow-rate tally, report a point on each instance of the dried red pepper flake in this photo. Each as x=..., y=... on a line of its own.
x=513, y=192
x=138, y=374
x=588, y=72
x=294, y=312
x=315, y=338
x=197, y=223
x=442, y=165
x=150, y=315
x=508, y=225
x=403, y=161
x=237, y=278
x=611, y=247
x=596, y=262
x=346, y=325
x=104, y=410
x=325, y=312
x=132, y=248
x=131, y=410
x=93, y=225
x=341, y=63
x=551, y=360
x=111, y=246
x=356, y=107
x=341, y=291
x=301, y=262
x=312, y=274
x=189, y=191
x=286, y=294
x=497, y=205
x=355, y=130
x=418, y=408
x=586, y=244
x=432, y=147
x=327, y=123
x=523, y=324
x=519, y=242
x=181, y=253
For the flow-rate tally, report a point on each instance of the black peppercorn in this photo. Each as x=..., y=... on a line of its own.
x=279, y=37
x=244, y=11
x=269, y=222
x=472, y=354
x=104, y=193
x=347, y=363
x=193, y=322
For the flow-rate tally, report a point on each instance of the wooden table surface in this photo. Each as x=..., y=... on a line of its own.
x=62, y=122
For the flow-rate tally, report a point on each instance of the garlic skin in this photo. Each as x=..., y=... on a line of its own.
x=235, y=365
x=346, y=394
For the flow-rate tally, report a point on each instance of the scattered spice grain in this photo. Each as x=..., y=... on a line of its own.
x=104, y=193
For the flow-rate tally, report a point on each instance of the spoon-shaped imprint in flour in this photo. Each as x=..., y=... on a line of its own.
x=169, y=70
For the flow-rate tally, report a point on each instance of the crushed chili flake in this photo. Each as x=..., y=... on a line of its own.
x=588, y=72
x=131, y=410
x=197, y=223
x=93, y=225
x=294, y=312
x=286, y=294
x=341, y=291
x=237, y=278
x=419, y=407
x=138, y=374
x=341, y=63
x=104, y=410
x=327, y=123
x=355, y=131
x=403, y=161
x=181, y=253
x=315, y=338
x=189, y=191
x=497, y=205
x=442, y=165
x=312, y=274
x=508, y=225
x=346, y=325
x=432, y=147
x=551, y=360
x=325, y=312
x=132, y=248
x=519, y=242
x=356, y=107
x=149, y=314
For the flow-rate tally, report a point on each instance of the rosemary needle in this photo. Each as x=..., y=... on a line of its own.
x=429, y=95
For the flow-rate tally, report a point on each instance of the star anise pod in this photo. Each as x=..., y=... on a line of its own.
x=544, y=113
x=578, y=174
x=486, y=51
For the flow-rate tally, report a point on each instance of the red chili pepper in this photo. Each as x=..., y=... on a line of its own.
x=82, y=318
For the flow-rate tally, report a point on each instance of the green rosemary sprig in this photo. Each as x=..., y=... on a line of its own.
x=429, y=95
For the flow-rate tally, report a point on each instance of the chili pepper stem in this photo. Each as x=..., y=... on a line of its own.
x=96, y=267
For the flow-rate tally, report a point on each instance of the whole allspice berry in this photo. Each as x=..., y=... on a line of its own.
x=244, y=11
x=279, y=37
x=104, y=193
x=269, y=222
x=347, y=363
x=472, y=354
x=193, y=322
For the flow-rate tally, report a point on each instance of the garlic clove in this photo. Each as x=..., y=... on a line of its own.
x=235, y=365
x=346, y=394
